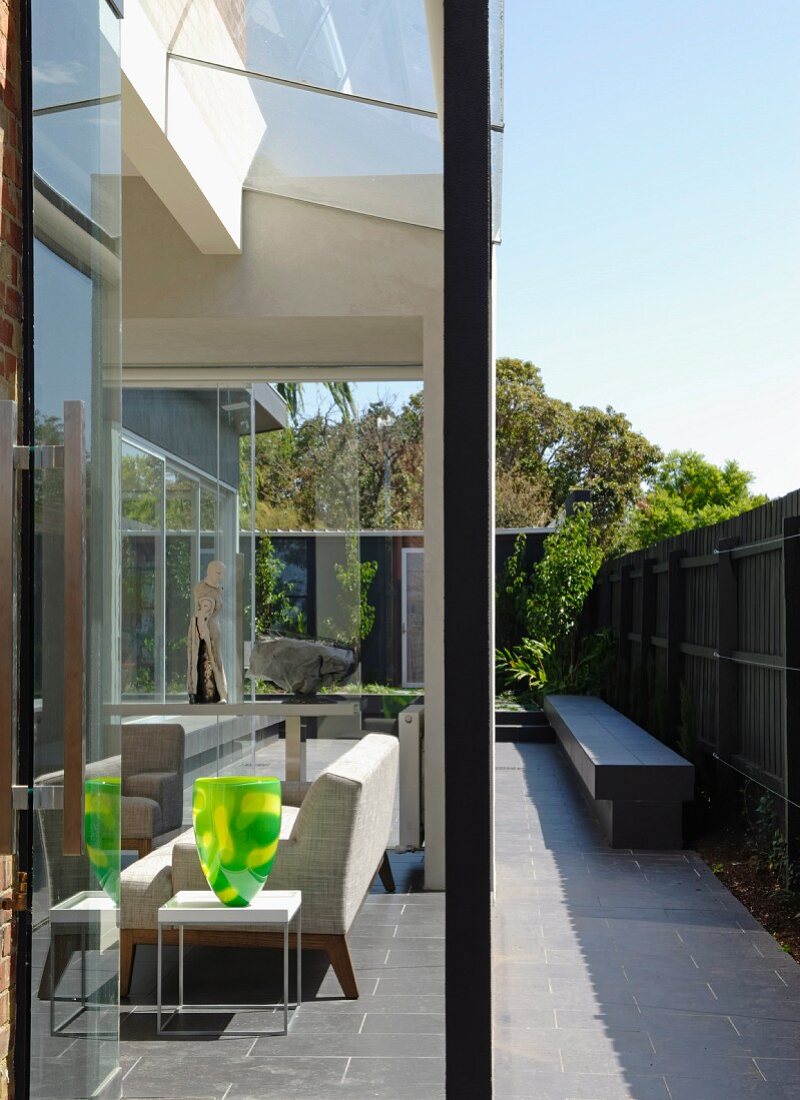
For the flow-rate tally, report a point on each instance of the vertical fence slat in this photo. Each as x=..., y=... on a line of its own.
x=676, y=619
x=647, y=627
x=791, y=618
x=727, y=643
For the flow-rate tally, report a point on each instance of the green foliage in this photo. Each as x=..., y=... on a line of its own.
x=546, y=602
x=545, y=447
x=355, y=577
x=540, y=611
x=687, y=491
x=771, y=848
x=340, y=392
x=274, y=607
x=564, y=577
x=537, y=668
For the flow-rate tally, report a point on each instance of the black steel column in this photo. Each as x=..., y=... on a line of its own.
x=21, y=1029
x=468, y=534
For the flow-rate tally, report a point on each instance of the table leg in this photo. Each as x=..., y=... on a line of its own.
x=180, y=967
x=299, y=959
x=158, y=982
x=295, y=750
x=286, y=978
x=52, y=964
x=83, y=967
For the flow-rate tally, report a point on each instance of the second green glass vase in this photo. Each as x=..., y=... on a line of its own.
x=237, y=823
x=102, y=831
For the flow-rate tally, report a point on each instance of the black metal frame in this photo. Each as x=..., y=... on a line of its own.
x=468, y=549
x=23, y=948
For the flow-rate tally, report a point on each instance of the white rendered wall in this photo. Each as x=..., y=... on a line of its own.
x=189, y=131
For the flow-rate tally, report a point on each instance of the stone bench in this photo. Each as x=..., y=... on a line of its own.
x=636, y=784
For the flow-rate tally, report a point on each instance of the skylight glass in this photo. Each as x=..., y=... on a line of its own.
x=373, y=48
x=336, y=151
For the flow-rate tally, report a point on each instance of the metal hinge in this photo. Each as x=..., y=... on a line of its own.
x=18, y=902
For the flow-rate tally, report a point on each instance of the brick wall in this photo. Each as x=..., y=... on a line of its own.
x=10, y=354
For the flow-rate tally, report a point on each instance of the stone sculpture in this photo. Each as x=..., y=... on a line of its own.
x=205, y=680
x=300, y=666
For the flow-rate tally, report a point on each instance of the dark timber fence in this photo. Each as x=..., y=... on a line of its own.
x=707, y=629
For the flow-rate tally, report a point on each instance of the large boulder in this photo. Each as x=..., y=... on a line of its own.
x=300, y=666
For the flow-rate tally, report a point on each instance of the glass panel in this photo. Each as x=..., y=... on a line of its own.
x=143, y=587
x=375, y=48
x=337, y=152
x=75, y=962
x=181, y=557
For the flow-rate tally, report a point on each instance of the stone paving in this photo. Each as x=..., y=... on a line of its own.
x=389, y=1043
x=623, y=974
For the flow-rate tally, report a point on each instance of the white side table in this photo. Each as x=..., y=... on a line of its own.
x=88, y=912
x=201, y=909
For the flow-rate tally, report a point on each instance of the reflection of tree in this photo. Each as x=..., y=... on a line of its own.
x=137, y=584
x=141, y=489
x=326, y=473
x=178, y=610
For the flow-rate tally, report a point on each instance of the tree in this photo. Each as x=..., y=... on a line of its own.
x=341, y=393
x=545, y=447
x=390, y=465
x=538, y=614
x=687, y=491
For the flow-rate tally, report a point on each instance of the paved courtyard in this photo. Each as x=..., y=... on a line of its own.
x=618, y=975
x=625, y=974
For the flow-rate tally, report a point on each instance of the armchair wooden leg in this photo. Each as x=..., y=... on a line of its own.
x=143, y=845
x=385, y=871
x=338, y=952
x=127, y=953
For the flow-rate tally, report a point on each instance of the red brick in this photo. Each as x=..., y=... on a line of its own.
x=13, y=302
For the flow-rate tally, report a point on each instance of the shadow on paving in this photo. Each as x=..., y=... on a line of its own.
x=388, y=1043
x=625, y=974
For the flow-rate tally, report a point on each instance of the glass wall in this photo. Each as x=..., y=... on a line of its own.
x=74, y=1017
x=175, y=522
x=201, y=470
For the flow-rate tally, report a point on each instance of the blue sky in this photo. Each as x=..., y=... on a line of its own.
x=651, y=239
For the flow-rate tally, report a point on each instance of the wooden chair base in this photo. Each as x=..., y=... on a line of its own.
x=387, y=877
x=141, y=844
x=335, y=947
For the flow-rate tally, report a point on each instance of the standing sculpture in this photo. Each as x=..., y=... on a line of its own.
x=205, y=675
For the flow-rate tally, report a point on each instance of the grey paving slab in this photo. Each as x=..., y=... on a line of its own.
x=389, y=1043
x=624, y=973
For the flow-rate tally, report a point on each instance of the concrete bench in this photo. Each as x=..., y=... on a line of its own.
x=636, y=784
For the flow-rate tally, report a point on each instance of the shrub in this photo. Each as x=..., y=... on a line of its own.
x=539, y=613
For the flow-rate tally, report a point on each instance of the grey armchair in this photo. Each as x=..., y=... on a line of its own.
x=152, y=782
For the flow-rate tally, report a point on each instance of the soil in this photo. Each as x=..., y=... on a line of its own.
x=729, y=854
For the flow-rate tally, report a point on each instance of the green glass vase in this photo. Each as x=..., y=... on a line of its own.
x=237, y=823
x=101, y=830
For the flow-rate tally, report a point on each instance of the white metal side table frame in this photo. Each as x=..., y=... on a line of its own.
x=201, y=909
x=75, y=915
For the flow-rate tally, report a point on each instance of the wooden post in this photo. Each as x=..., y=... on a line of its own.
x=647, y=626
x=676, y=625
x=791, y=649
x=727, y=643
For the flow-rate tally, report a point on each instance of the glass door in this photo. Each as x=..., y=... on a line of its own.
x=72, y=786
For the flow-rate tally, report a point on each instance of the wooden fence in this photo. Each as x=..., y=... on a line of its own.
x=707, y=629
